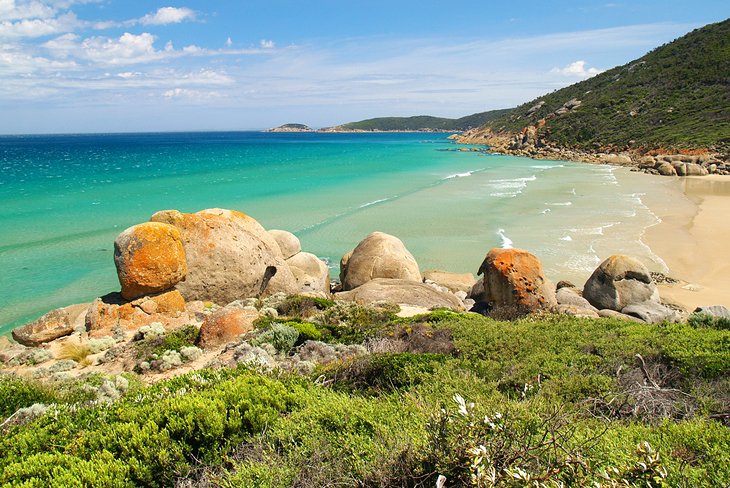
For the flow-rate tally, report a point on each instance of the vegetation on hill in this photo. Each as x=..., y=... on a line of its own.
x=421, y=122
x=542, y=401
x=677, y=96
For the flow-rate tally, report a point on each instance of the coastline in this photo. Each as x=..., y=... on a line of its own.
x=691, y=240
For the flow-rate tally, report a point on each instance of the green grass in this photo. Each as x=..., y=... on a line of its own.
x=540, y=401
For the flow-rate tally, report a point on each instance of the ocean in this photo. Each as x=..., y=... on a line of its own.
x=64, y=199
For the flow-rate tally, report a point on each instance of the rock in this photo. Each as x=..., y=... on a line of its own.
x=402, y=292
x=613, y=314
x=564, y=284
x=288, y=242
x=455, y=282
x=618, y=282
x=5, y=343
x=619, y=159
x=717, y=311
x=226, y=325
x=379, y=255
x=651, y=312
x=568, y=296
x=343, y=265
x=56, y=323
x=576, y=311
x=112, y=312
x=149, y=258
x=666, y=169
x=647, y=160
x=229, y=256
x=513, y=277
x=311, y=273
x=693, y=169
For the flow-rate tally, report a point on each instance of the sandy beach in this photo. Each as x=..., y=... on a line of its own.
x=692, y=238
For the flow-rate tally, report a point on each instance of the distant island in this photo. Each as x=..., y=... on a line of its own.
x=291, y=128
x=418, y=123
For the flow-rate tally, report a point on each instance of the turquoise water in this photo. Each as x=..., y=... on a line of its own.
x=66, y=197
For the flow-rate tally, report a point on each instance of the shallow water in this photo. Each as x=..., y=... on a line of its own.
x=65, y=198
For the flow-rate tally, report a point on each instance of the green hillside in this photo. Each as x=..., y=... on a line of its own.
x=677, y=96
x=420, y=122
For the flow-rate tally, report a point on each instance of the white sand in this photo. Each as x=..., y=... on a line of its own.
x=693, y=239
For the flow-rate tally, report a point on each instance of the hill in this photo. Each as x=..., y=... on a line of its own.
x=291, y=128
x=676, y=97
x=420, y=122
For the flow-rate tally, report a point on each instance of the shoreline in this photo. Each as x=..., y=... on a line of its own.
x=691, y=240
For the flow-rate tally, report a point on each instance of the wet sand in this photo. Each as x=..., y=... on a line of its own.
x=693, y=238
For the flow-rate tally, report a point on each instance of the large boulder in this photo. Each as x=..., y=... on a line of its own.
x=666, y=169
x=455, y=282
x=379, y=255
x=716, y=311
x=150, y=258
x=56, y=323
x=226, y=325
x=229, y=255
x=618, y=282
x=288, y=243
x=311, y=273
x=513, y=277
x=403, y=292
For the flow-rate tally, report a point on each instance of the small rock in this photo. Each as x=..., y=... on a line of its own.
x=576, y=311
x=568, y=296
x=612, y=314
x=717, y=311
x=455, y=282
x=651, y=312
x=56, y=323
x=225, y=325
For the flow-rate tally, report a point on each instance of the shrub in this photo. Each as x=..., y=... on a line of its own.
x=17, y=393
x=74, y=351
x=307, y=332
x=302, y=306
x=706, y=320
x=384, y=372
x=282, y=337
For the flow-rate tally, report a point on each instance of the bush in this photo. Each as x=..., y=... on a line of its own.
x=385, y=372
x=706, y=320
x=282, y=337
x=17, y=393
x=307, y=332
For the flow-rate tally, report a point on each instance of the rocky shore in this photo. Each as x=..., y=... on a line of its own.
x=532, y=143
x=216, y=276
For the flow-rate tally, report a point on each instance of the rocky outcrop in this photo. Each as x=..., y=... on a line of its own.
x=311, y=273
x=288, y=243
x=402, y=292
x=455, y=282
x=149, y=258
x=513, y=277
x=56, y=323
x=379, y=255
x=113, y=315
x=225, y=325
x=717, y=311
x=229, y=256
x=620, y=281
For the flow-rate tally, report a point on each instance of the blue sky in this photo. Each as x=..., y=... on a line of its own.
x=120, y=66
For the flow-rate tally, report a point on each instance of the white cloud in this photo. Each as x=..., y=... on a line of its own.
x=168, y=15
x=577, y=69
x=229, y=42
x=11, y=10
x=190, y=94
x=267, y=44
x=38, y=27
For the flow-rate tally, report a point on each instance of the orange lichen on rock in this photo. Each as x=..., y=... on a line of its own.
x=150, y=258
x=226, y=325
x=515, y=277
x=112, y=312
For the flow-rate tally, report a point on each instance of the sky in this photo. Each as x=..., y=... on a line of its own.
x=73, y=66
